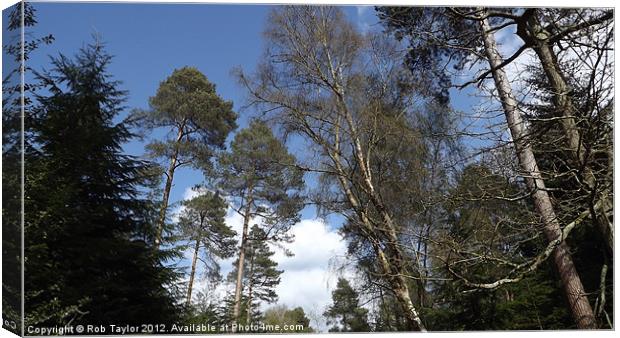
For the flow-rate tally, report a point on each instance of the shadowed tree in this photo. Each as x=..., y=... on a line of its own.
x=84, y=252
x=281, y=315
x=261, y=276
x=465, y=36
x=12, y=148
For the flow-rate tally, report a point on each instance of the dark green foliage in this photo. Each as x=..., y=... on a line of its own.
x=12, y=136
x=196, y=121
x=264, y=183
x=568, y=189
x=260, y=169
x=535, y=303
x=196, y=117
x=84, y=249
x=206, y=310
x=486, y=231
x=261, y=275
x=11, y=175
x=431, y=33
x=388, y=315
x=202, y=219
x=94, y=216
x=345, y=313
x=225, y=310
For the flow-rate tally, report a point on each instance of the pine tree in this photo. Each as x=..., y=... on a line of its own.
x=83, y=251
x=187, y=106
x=226, y=313
x=261, y=276
x=593, y=255
x=202, y=223
x=261, y=177
x=499, y=230
x=345, y=312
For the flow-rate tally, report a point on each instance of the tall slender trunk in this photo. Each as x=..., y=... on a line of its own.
x=250, y=285
x=573, y=288
x=393, y=270
x=538, y=37
x=383, y=240
x=391, y=266
x=241, y=262
x=164, y=204
x=193, y=272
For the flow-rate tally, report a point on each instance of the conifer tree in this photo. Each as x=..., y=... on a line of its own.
x=345, y=312
x=261, y=276
x=463, y=37
x=499, y=230
x=261, y=177
x=202, y=222
x=226, y=310
x=197, y=121
x=85, y=262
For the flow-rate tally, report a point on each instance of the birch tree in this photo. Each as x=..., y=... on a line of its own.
x=324, y=81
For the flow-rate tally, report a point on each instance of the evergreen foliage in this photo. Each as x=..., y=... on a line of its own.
x=261, y=276
x=197, y=121
x=448, y=227
x=259, y=170
x=345, y=313
x=201, y=222
x=86, y=209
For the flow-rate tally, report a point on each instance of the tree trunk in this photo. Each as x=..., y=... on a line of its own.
x=167, y=188
x=193, y=272
x=573, y=288
x=538, y=37
x=396, y=273
x=241, y=262
x=249, y=301
x=395, y=266
x=392, y=269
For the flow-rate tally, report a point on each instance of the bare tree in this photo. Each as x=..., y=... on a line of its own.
x=347, y=94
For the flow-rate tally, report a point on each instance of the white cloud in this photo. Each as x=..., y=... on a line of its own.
x=189, y=193
x=308, y=278
x=314, y=244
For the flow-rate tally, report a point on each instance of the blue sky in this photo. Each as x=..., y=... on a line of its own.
x=149, y=41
